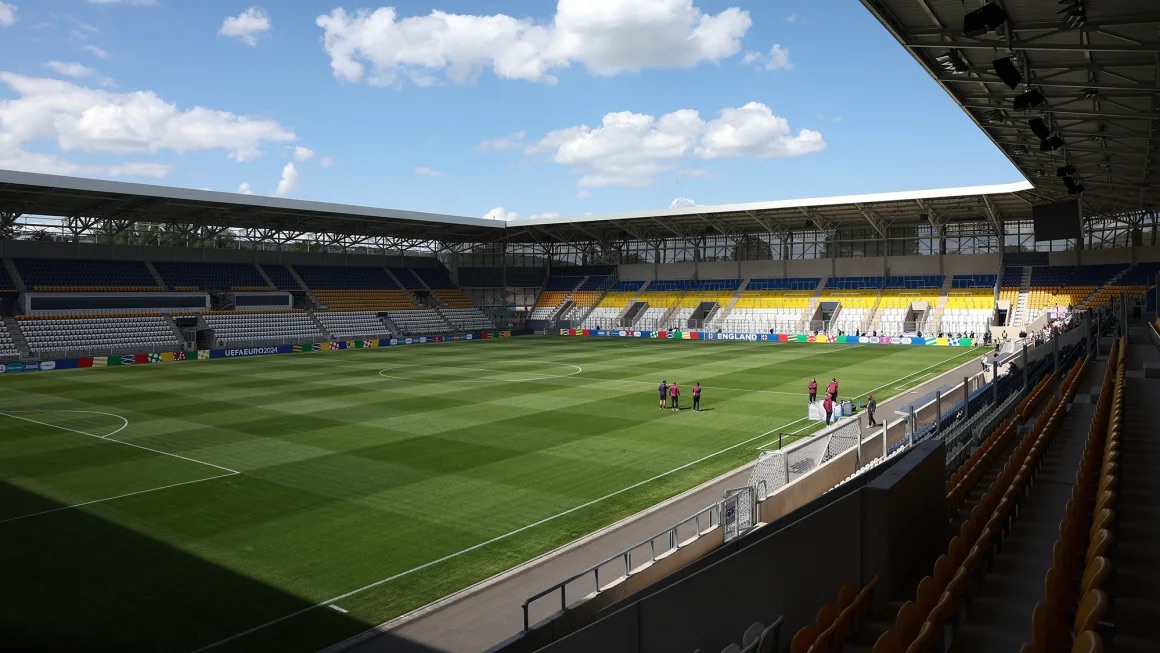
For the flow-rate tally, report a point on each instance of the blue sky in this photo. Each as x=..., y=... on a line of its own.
x=588, y=106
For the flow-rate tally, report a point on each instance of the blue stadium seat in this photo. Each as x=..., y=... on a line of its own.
x=627, y=286
x=854, y=283
x=435, y=278
x=564, y=283
x=335, y=277
x=39, y=272
x=914, y=282
x=974, y=281
x=281, y=277
x=407, y=278
x=210, y=276
x=805, y=283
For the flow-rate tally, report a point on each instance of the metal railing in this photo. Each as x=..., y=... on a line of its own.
x=670, y=541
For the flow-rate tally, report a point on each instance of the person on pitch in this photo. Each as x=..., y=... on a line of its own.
x=813, y=387
x=674, y=395
x=664, y=389
x=832, y=389
x=697, y=397
x=871, y=406
x=828, y=404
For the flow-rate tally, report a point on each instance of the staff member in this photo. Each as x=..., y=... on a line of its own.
x=832, y=389
x=813, y=387
x=664, y=388
x=674, y=394
x=871, y=406
x=828, y=404
x=697, y=397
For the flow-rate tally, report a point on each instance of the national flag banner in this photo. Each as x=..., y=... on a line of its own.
x=155, y=358
x=85, y=362
x=334, y=346
x=587, y=332
x=368, y=344
x=831, y=339
x=654, y=334
x=202, y=354
x=484, y=335
x=695, y=335
x=167, y=357
x=141, y=359
x=296, y=348
x=179, y=355
x=505, y=334
x=354, y=344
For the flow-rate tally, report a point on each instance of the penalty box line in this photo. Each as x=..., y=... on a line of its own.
x=493, y=540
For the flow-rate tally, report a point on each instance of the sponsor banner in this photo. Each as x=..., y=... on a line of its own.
x=155, y=358
x=180, y=356
x=13, y=367
x=251, y=351
x=202, y=354
x=505, y=334
x=66, y=364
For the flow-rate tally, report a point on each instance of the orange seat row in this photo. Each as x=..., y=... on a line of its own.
x=925, y=624
x=836, y=623
x=1076, y=603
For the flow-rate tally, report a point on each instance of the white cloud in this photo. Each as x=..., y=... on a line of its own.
x=429, y=172
x=682, y=203
x=77, y=118
x=139, y=169
x=500, y=213
x=71, y=69
x=606, y=37
x=7, y=14
x=776, y=59
x=247, y=26
x=303, y=153
x=96, y=52
x=290, y=181
x=244, y=188
x=630, y=149
x=792, y=18
x=509, y=142
x=546, y=214
x=326, y=161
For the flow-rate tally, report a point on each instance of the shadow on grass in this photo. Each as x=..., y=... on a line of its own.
x=73, y=581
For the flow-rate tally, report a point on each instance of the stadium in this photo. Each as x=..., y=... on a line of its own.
x=242, y=423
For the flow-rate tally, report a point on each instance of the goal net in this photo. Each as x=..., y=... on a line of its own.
x=775, y=469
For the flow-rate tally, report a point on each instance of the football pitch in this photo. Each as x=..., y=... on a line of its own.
x=288, y=502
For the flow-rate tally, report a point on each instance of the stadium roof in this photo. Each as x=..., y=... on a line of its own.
x=1097, y=64
x=24, y=193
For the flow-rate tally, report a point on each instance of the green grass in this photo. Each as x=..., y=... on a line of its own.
x=361, y=466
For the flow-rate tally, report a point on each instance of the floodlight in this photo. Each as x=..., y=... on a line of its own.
x=953, y=62
x=1007, y=71
x=1065, y=171
x=1039, y=128
x=1029, y=100
x=984, y=19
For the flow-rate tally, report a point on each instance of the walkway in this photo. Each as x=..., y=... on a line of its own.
x=480, y=617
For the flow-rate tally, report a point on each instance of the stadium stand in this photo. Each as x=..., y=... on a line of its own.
x=7, y=285
x=1065, y=287
x=467, y=319
x=556, y=290
x=856, y=297
x=71, y=275
x=7, y=345
x=281, y=276
x=970, y=304
x=54, y=336
x=352, y=324
x=661, y=296
x=770, y=304
x=211, y=276
x=240, y=327
x=418, y=322
x=335, y=277
x=609, y=308
x=906, y=303
x=405, y=277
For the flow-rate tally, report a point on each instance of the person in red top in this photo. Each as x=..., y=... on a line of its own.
x=697, y=397
x=832, y=389
x=674, y=395
x=828, y=404
x=813, y=390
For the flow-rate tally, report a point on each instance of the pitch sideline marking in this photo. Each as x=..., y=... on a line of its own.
x=119, y=496
x=959, y=355
x=107, y=438
x=493, y=540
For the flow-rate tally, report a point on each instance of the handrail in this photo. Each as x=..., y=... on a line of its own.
x=714, y=513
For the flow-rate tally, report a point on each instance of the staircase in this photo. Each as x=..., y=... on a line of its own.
x=18, y=338
x=450, y=327
x=934, y=322
x=608, y=285
x=565, y=304
x=632, y=302
x=319, y=325
x=391, y=326
x=664, y=321
x=1095, y=293
x=722, y=312
x=403, y=287
x=156, y=275
x=872, y=318
x=176, y=329
x=262, y=273
x=309, y=295
x=1021, y=303
x=812, y=305
x=17, y=280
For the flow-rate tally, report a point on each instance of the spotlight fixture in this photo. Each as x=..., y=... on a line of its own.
x=1050, y=144
x=1073, y=187
x=1065, y=171
x=995, y=116
x=1037, y=173
x=1099, y=138
x=985, y=19
x=1074, y=14
x=1039, y=128
x=1007, y=71
x=1105, y=167
x=1091, y=93
x=1029, y=100
x=953, y=62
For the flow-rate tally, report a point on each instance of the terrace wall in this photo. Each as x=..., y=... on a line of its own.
x=950, y=264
